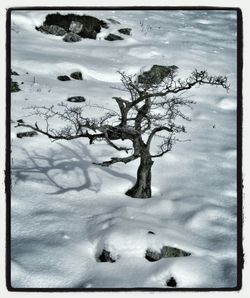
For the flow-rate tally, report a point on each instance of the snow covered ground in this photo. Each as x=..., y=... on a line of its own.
x=65, y=210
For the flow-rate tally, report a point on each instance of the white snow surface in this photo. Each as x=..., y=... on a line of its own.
x=65, y=210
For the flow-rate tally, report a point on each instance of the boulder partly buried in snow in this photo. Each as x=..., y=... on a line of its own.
x=125, y=31
x=77, y=75
x=81, y=25
x=113, y=37
x=76, y=99
x=71, y=37
x=14, y=87
x=105, y=256
x=14, y=73
x=113, y=21
x=171, y=282
x=152, y=255
x=63, y=78
x=156, y=74
x=52, y=29
x=173, y=252
x=26, y=134
x=166, y=252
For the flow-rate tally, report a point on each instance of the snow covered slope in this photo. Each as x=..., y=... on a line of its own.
x=66, y=210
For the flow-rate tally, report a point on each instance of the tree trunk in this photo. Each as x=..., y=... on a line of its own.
x=142, y=187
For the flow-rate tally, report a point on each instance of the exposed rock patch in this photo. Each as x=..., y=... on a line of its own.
x=72, y=26
x=113, y=21
x=77, y=75
x=76, y=99
x=20, y=121
x=52, y=29
x=152, y=256
x=14, y=73
x=71, y=37
x=14, y=87
x=26, y=134
x=63, y=78
x=150, y=232
x=75, y=27
x=113, y=37
x=156, y=74
x=171, y=282
x=105, y=256
x=166, y=252
x=172, y=252
x=126, y=31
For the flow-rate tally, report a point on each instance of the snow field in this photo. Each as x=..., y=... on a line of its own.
x=66, y=210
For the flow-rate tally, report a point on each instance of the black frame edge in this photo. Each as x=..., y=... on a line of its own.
x=240, y=254
x=7, y=151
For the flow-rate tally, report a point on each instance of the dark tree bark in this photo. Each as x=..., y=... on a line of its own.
x=142, y=187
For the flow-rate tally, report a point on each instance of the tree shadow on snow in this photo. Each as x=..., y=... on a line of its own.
x=64, y=161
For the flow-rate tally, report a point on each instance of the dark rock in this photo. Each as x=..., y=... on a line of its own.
x=76, y=99
x=14, y=73
x=71, y=37
x=14, y=87
x=26, y=134
x=106, y=257
x=89, y=25
x=171, y=282
x=125, y=31
x=77, y=75
x=75, y=27
x=113, y=37
x=52, y=29
x=113, y=21
x=63, y=78
x=172, y=252
x=156, y=74
x=150, y=232
x=166, y=252
x=152, y=256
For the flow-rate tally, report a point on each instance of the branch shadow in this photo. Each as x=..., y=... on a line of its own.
x=64, y=160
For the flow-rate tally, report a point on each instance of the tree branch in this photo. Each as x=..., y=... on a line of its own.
x=116, y=160
x=66, y=136
x=155, y=130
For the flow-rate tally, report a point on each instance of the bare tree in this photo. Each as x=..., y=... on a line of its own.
x=149, y=111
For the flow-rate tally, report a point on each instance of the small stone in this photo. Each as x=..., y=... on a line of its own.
x=150, y=232
x=26, y=134
x=152, y=256
x=77, y=75
x=156, y=74
x=106, y=257
x=113, y=37
x=172, y=252
x=71, y=37
x=14, y=87
x=63, y=78
x=14, y=73
x=76, y=99
x=125, y=31
x=171, y=282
